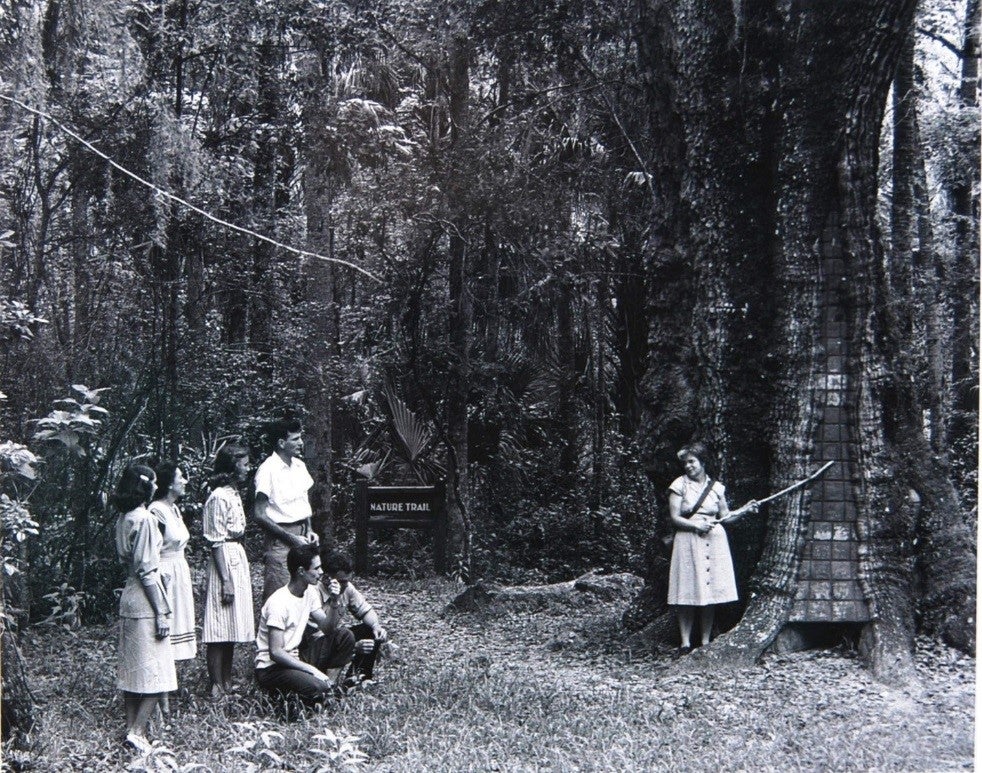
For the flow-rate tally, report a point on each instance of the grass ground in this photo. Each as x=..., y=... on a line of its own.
x=531, y=688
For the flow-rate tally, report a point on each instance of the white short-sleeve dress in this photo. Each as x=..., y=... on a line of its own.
x=224, y=524
x=701, y=572
x=177, y=578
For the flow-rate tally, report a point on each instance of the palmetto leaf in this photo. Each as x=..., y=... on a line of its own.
x=371, y=77
x=413, y=434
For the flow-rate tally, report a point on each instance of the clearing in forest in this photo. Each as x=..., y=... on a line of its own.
x=531, y=686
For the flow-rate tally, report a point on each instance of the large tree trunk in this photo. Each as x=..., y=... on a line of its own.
x=834, y=395
x=902, y=199
x=711, y=94
x=838, y=82
x=712, y=89
x=666, y=388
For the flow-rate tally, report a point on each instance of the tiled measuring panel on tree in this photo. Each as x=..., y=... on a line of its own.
x=828, y=585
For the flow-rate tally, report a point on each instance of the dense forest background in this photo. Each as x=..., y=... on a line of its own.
x=489, y=254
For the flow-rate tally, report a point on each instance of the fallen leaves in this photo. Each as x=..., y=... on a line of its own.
x=551, y=686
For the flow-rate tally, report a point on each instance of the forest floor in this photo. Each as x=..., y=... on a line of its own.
x=543, y=686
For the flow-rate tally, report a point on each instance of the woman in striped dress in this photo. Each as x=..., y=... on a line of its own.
x=171, y=485
x=228, y=600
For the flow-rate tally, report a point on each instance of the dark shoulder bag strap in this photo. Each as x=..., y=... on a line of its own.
x=700, y=500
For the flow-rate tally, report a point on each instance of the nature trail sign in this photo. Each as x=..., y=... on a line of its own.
x=400, y=507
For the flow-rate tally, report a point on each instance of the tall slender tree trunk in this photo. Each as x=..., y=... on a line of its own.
x=965, y=277
x=566, y=414
x=264, y=198
x=930, y=284
x=459, y=317
x=171, y=331
x=82, y=276
x=196, y=307
x=599, y=390
x=320, y=362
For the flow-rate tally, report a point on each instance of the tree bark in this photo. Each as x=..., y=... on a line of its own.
x=459, y=316
x=320, y=361
x=933, y=303
x=965, y=277
x=264, y=194
x=830, y=97
x=901, y=253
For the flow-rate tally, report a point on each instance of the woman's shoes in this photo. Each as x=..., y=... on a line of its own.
x=217, y=695
x=681, y=652
x=139, y=743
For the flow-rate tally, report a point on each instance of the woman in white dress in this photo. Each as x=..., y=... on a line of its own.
x=701, y=574
x=145, y=670
x=228, y=599
x=171, y=485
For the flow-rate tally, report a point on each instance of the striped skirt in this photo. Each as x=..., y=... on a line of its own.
x=180, y=595
x=229, y=622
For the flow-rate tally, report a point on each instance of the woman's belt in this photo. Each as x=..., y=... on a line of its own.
x=240, y=538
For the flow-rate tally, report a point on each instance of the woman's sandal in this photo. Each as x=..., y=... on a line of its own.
x=681, y=652
x=139, y=743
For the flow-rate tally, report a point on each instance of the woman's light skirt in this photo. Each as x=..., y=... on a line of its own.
x=146, y=663
x=701, y=572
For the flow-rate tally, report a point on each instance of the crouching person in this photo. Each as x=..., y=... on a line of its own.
x=334, y=642
x=282, y=623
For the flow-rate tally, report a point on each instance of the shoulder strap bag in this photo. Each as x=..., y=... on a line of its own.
x=669, y=538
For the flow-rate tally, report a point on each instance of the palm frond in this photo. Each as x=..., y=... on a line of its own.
x=412, y=432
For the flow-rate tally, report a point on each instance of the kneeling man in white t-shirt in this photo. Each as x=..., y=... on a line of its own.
x=282, y=622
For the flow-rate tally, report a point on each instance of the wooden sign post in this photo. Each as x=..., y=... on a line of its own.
x=400, y=507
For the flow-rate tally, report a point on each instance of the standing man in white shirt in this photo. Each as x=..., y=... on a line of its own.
x=282, y=506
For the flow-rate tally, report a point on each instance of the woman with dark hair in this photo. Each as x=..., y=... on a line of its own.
x=701, y=574
x=228, y=599
x=171, y=485
x=146, y=662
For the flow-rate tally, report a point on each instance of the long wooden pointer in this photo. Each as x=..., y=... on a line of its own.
x=789, y=489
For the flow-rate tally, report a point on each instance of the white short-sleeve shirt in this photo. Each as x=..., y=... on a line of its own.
x=289, y=613
x=286, y=487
